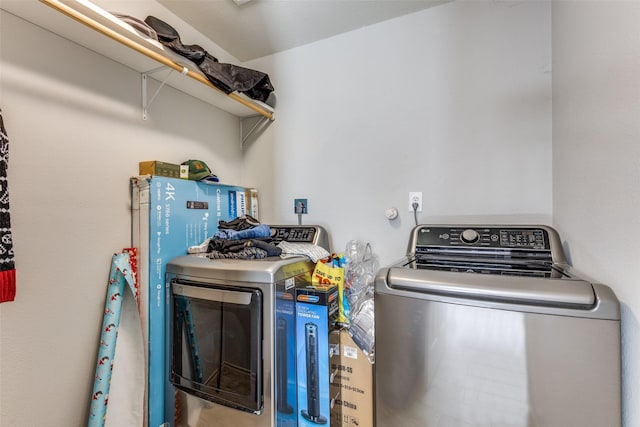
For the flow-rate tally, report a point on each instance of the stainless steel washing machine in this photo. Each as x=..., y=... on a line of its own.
x=487, y=326
x=231, y=361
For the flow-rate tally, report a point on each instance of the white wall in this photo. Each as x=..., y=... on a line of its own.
x=73, y=119
x=596, y=155
x=453, y=101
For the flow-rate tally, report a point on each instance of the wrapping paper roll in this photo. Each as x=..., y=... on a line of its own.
x=121, y=338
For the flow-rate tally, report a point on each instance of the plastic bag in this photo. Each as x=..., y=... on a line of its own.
x=360, y=272
x=362, y=329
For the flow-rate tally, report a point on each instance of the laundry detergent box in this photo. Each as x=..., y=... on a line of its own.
x=352, y=385
x=316, y=315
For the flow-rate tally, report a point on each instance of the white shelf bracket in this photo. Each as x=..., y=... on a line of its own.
x=146, y=103
x=260, y=123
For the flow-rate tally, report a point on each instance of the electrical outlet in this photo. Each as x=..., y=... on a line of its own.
x=415, y=197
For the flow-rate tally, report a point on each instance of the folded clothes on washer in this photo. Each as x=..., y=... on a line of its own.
x=240, y=223
x=242, y=249
x=233, y=245
x=249, y=233
x=314, y=252
x=246, y=253
x=199, y=249
x=240, y=245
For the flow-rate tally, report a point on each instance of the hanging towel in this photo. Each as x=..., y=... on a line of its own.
x=119, y=386
x=7, y=265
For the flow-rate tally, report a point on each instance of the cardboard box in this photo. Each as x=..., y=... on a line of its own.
x=169, y=215
x=286, y=385
x=154, y=167
x=352, y=386
x=316, y=314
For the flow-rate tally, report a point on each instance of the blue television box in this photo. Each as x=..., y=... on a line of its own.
x=168, y=216
x=316, y=315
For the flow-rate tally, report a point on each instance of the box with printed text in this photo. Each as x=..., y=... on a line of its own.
x=155, y=167
x=286, y=385
x=168, y=216
x=316, y=314
x=352, y=386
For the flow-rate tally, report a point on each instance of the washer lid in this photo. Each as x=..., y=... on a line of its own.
x=267, y=270
x=566, y=292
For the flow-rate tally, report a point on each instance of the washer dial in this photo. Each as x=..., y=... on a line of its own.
x=469, y=236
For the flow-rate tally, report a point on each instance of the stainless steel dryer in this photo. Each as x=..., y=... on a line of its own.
x=487, y=326
x=231, y=360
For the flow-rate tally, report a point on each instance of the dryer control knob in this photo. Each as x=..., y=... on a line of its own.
x=470, y=236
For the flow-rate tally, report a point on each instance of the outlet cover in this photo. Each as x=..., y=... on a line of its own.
x=415, y=196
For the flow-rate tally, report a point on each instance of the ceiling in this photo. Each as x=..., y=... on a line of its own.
x=257, y=28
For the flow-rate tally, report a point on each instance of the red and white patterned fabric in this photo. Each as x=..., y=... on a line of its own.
x=7, y=264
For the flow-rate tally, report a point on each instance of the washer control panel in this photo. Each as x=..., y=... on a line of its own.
x=488, y=237
x=524, y=250
x=313, y=234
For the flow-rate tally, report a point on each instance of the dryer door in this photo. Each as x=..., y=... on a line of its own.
x=216, y=344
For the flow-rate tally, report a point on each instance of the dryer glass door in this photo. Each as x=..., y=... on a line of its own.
x=217, y=343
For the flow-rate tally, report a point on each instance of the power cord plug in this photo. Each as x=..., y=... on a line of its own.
x=415, y=205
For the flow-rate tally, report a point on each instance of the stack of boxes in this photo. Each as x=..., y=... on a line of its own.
x=322, y=377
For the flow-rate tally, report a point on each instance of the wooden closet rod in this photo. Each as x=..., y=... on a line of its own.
x=72, y=13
